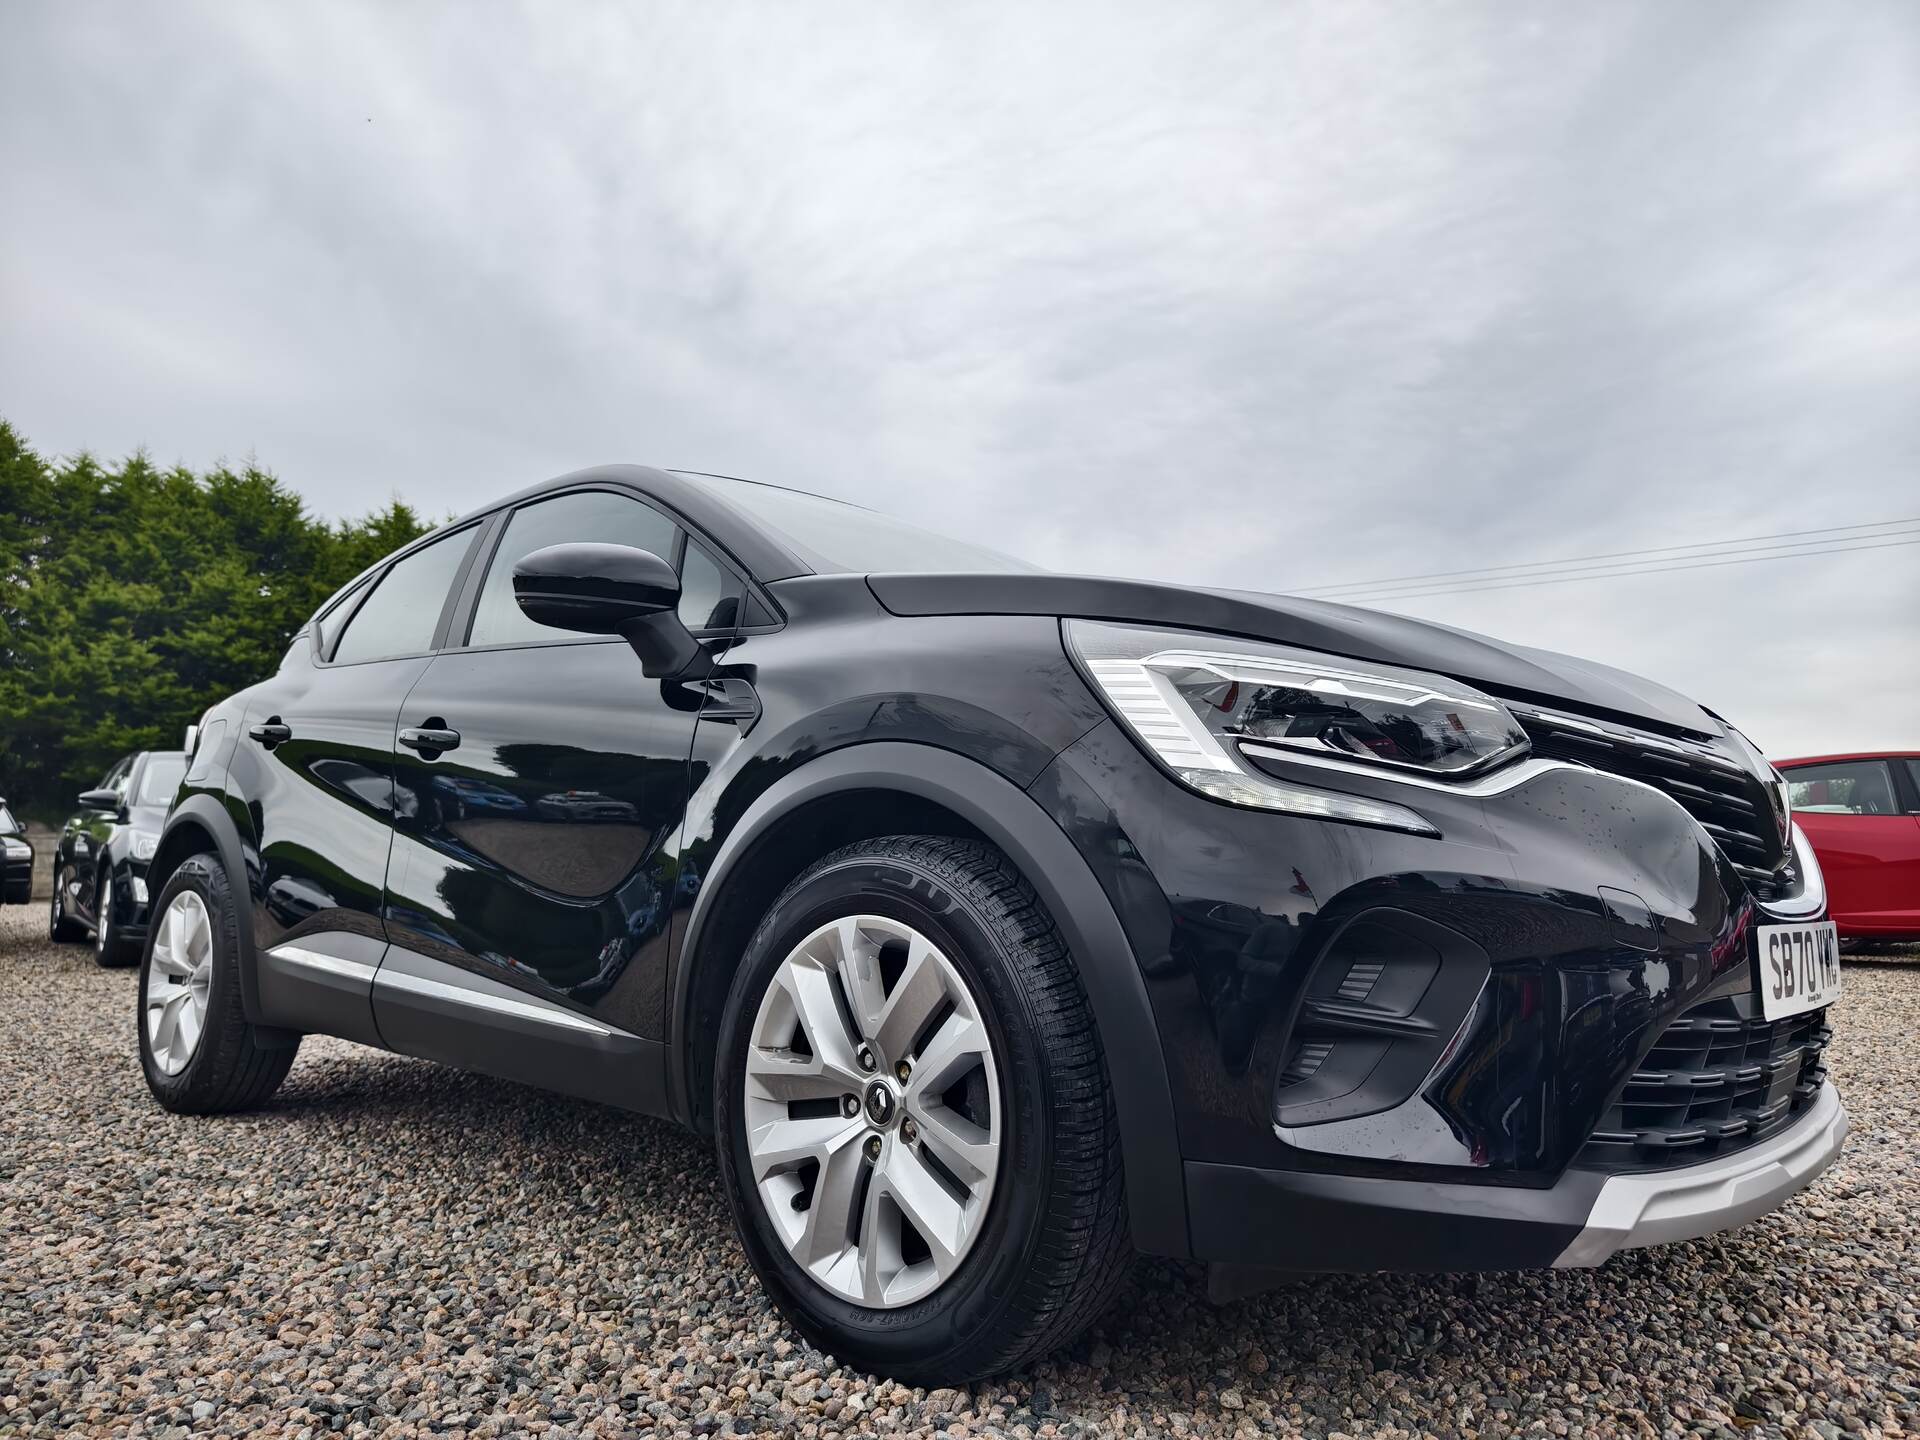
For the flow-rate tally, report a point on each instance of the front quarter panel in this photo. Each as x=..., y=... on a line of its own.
x=1231, y=910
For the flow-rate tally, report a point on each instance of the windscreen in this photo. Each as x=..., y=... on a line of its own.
x=831, y=535
x=8, y=825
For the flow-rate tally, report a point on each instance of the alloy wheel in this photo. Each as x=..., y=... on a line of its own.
x=872, y=1108
x=179, y=975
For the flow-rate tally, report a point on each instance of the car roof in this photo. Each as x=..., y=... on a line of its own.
x=1848, y=755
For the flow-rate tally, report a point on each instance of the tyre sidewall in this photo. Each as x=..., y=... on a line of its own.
x=965, y=1306
x=104, y=939
x=57, y=922
x=199, y=1078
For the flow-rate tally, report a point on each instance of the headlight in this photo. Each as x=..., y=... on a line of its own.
x=16, y=849
x=1193, y=699
x=145, y=842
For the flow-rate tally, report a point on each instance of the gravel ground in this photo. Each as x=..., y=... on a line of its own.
x=394, y=1248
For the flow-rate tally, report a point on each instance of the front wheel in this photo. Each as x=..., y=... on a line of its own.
x=913, y=1116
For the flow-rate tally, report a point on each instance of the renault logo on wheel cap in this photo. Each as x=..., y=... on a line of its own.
x=880, y=1103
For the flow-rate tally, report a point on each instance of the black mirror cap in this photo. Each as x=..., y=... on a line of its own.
x=100, y=799
x=593, y=589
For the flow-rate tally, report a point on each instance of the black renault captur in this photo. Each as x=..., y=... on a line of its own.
x=100, y=862
x=998, y=924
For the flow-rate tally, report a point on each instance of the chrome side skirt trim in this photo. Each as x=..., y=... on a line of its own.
x=340, y=965
x=474, y=999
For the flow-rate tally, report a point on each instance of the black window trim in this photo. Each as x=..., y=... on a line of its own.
x=437, y=641
x=458, y=625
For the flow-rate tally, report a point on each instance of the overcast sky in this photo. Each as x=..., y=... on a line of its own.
x=1269, y=296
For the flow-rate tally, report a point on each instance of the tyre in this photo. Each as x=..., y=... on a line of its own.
x=913, y=1117
x=200, y=1055
x=62, y=927
x=110, y=947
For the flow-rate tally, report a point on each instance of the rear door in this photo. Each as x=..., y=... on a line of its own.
x=1857, y=814
x=529, y=894
x=314, y=762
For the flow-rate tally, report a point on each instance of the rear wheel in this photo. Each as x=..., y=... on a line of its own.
x=62, y=927
x=198, y=1051
x=110, y=946
x=913, y=1116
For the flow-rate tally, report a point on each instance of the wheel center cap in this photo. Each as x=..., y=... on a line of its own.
x=880, y=1103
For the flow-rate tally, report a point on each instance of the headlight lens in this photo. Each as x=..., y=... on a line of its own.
x=16, y=849
x=1190, y=699
x=144, y=844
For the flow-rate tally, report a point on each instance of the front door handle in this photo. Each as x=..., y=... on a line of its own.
x=430, y=740
x=271, y=732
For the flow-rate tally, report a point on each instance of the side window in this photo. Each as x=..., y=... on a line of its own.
x=709, y=595
x=1913, y=777
x=400, y=616
x=583, y=515
x=333, y=615
x=1848, y=787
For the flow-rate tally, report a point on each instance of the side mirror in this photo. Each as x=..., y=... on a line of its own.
x=100, y=800
x=596, y=589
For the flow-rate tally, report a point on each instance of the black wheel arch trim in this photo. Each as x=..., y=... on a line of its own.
x=178, y=840
x=1008, y=817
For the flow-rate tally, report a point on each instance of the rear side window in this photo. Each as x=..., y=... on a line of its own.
x=334, y=614
x=403, y=611
x=1847, y=787
x=584, y=515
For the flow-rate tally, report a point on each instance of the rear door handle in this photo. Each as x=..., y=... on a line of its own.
x=430, y=739
x=271, y=732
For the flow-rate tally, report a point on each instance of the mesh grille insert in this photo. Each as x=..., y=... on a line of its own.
x=1717, y=1080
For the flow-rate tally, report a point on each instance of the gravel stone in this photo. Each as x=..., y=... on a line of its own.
x=395, y=1248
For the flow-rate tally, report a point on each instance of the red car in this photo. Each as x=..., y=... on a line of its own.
x=1862, y=813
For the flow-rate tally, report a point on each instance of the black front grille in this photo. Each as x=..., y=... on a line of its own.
x=1730, y=801
x=1720, y=1078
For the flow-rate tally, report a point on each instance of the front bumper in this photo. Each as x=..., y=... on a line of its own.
x=1664, y=1205
x=1389, y=1051
x=16, y=881
x=1253, y=1225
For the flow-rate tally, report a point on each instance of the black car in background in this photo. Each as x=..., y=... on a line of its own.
x=16, y=860
x=100, y=864
x=1000, y=925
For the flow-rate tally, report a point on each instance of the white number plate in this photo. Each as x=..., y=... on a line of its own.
x=1799, y=968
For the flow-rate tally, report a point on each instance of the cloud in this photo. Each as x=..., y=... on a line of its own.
x=1247, y=295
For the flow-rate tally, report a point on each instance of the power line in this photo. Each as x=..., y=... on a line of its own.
x=1490, y=570
x=1790, y=547
x=1697, y=563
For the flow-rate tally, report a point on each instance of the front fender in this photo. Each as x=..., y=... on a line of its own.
x=1001, y=811
x=194, y=825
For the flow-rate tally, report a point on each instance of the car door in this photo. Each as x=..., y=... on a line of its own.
x=536, y=867
x=1867, y=843
x=314, y=761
